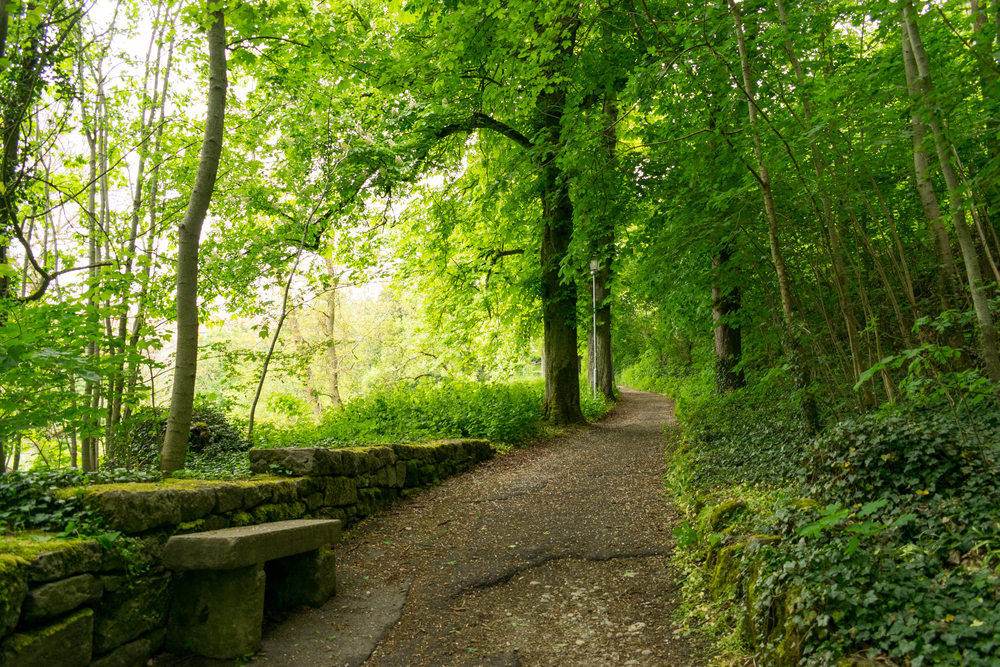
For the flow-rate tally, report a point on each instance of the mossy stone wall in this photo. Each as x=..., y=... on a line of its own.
x=72, y=603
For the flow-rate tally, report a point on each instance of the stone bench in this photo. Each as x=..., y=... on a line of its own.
x=224, y=579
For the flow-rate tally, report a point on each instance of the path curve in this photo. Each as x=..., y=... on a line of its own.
x=558, y=554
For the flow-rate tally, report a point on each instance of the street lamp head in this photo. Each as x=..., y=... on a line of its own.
x=595, y=265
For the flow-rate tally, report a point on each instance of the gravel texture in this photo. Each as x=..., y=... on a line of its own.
x=558, y=554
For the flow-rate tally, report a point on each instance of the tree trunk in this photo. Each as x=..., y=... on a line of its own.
x=802, y=376
x=559, y=297
x=987, y=329
x=728, y=338
x=175, y=443
x=333, y=384
x=925, y=186
x=562, y=379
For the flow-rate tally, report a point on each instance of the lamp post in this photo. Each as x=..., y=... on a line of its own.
x=595, y=265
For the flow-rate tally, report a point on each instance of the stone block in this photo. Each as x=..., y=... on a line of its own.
x=13, y=589
x=353, y=462
x=400, y=474
x=364, y=481
x=215, y=522
x=133, y=654
x=306, y=486
x=300, y=461
x=64, y=563
x=228, y=497
x=240, y=547
x=256, y=494
x=381, y=457
x=272, y=512
x=59, y=597
x=196, y=503
x=217, y=613
x=308, y=578
x=138, y=511
x=314, y=501
x=340, y=491
x=145, y=552
x=67, y=643
x=386, y=476
x=284, y=492
x=112, y=582
x=130, y=611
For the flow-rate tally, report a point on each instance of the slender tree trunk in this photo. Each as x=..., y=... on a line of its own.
x=987, y=329
x=604, y=368
x=802, y=376
x=925, y=186
x=175, y=443
x=277, y=331
x=152, y=235
x=333, y=361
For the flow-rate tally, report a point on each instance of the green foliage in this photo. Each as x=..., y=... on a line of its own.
x=896, y=554
x=411, y=412
x=212, y=435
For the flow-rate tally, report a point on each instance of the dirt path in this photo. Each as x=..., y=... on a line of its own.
x=554, y=555
x=558, y=554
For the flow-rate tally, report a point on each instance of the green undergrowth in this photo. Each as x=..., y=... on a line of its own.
x=507, y=414
x=504, y=413
x=877, y=540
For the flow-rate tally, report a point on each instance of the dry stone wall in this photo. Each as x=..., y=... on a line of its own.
x=81, y=605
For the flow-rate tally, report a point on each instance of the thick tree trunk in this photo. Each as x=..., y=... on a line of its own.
x=559, y=297
x=562, y=379
x=987, y=328
x=175, y=443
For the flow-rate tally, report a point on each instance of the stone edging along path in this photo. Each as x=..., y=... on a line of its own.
x=559, y=554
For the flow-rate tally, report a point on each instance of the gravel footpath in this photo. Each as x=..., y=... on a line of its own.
x=558, y=554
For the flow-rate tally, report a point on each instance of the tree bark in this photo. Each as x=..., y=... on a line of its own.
x=559, y=297
x=333, y=384
x=175, y=443
x=728, y=338
x=925, y=186
x=802, y=376
x=987, y=328
x=604, y=368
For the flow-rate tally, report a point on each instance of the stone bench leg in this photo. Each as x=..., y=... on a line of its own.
x=307, y=578
x=217, y=613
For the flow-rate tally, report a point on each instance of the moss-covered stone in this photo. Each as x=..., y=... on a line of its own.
x=726, y=571
x=63, y=559
x=277, y=512
x=314, y=501
x=58, y=597
x=341, y=491
x=191, y=526
x=284, y=492
x=13, y=589
x=67, y=643
x=241, y=519
x=197, y=502
x=136, y=511
x=133, y=654
x=723, y=514
x=256, y=494
x=130, y=611
x=228, y=497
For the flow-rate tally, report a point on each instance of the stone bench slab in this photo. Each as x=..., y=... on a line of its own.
x=231, y=548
